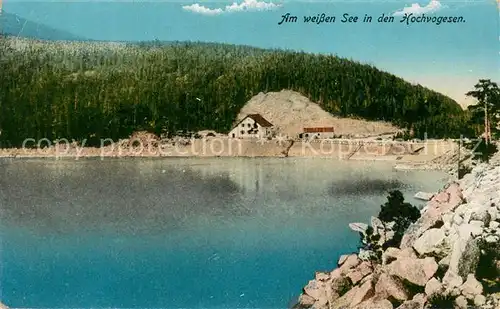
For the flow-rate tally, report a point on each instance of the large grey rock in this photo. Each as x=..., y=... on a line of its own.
x=465, y=252
x=477, y=227
x=493, y=214
x=432, y=241
x=479, y=300
x=483, y=215
x=457, y=219
x=452, y=280
x=416, y=271
x=433, y=286
x=492, y=239
x=461, y=302
x=471, y=287
x=494, y=225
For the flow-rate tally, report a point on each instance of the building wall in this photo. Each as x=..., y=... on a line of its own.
x=241, y=131
x=318, y=135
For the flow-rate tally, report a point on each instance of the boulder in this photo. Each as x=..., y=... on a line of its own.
x=306, y=300
x=479, y=225
x=350, y=262
x=418, y=302
x=390, y=254
x=315, y=290
x=388, y=286
x=377, y=224
x=456, y=195
x=424, y=196
x=461, y=302
x=452, y=280
x=494, y=225
x=433, y=286
x=493, y=214
x=442, y=197
x=465, y=252
x=492, y=239
x=407, y=253
x=365, y=268
x=355, y=276
x=321, y=276
x=375, y=304
x=416, y=271
x=366, y=255
x=478, y=213
x=365, y=292
x=358, y=227
x=336, y=273
x=445, y=262
x=342, y=259
x=339, y=286
x=479, y=300
x=457, y=219
x=410, y=236
x=432, y=241
x=471, y=287
x=345, y=300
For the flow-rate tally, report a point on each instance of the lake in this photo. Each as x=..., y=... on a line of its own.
x=182, y=233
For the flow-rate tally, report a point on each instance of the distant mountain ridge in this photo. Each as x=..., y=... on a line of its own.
x=15, y=25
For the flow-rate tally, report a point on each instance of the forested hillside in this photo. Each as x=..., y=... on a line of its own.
x=104, y=90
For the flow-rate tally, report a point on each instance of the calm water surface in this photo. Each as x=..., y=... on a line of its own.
x=190, y=233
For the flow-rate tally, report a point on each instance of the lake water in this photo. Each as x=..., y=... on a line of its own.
x=182, y=233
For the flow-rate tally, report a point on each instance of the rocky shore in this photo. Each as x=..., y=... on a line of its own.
x=449, y=258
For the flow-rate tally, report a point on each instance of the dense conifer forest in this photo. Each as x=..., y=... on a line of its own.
x=79, y=90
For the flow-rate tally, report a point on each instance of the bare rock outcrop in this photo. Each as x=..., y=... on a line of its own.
x=441, y=256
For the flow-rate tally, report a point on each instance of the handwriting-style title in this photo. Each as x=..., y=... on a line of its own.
x=407, y=18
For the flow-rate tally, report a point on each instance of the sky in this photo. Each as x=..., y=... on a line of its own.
x=449, y=58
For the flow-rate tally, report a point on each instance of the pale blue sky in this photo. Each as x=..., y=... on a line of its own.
x=449, y=58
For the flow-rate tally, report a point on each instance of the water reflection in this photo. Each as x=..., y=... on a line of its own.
x=147, y=195
x=181, y=233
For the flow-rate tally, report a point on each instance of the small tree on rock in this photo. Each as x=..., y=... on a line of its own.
x=397, y=211
x=401, y=213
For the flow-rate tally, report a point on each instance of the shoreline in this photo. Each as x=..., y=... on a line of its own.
x=445, y=249
x=432, y=154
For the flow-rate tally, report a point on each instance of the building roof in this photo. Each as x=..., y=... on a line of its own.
x=258, y=119
x=318, y=129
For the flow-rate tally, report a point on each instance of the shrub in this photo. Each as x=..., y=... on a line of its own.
x=394, y=210
x=370, y=242
x=488, y=269
x=440, y=301
x=464, y=170
x=398, y=211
